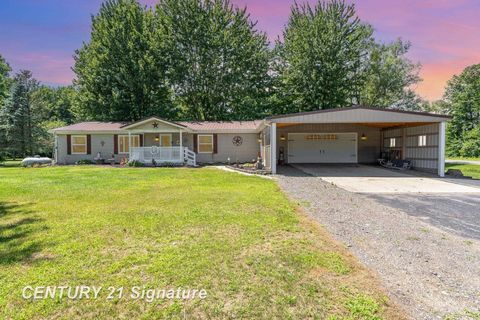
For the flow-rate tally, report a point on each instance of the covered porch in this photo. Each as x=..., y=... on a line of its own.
x=156, y=141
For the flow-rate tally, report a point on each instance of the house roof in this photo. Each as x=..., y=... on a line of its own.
x=197, y=126
x=356, y=107
x=92, y=126
x=221, y=125
x=359, y=114
x=146, y=120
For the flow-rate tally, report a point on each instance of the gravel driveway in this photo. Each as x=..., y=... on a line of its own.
x=431, y=272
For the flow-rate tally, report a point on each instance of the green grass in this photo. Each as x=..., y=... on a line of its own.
x=235, y=236
x=10, y=163
x=463, y=158
x=471, y=170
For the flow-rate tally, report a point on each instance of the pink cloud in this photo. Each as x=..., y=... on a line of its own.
x=444, y=34
x=49, y=67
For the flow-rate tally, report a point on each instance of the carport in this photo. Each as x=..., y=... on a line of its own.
x=355, y=135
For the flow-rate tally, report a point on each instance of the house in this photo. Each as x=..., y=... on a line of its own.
x=355, y=134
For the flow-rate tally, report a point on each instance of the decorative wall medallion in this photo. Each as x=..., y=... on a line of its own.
x=237, y=141
x=155, y=124
x=102, y=143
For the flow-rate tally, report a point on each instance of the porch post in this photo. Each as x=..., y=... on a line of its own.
x=181, y=146
x=273, y=147
x=441, y=149
x=129, y=145
x=404, y=143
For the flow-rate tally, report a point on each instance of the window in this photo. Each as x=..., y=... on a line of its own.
x=393, y=142
x=422, y=141
x=166, y=140
x=79, y=145
x=123, y=143
x=205, y=143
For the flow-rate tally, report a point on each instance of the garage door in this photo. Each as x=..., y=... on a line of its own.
x=322, y=148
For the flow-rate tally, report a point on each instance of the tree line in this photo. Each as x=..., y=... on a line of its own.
x=207, y=60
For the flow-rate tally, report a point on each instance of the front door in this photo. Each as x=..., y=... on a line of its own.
x=165, y=140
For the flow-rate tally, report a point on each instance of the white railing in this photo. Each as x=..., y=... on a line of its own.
x=190, y=157
x=163, y=154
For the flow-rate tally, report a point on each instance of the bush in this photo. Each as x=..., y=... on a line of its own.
x=170, y=164
x=84, y=161
x=135, y=163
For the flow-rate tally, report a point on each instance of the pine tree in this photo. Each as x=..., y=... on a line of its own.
x=18, y=119
x=5, y=83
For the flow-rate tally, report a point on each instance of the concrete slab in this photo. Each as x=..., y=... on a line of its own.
x=377, y=180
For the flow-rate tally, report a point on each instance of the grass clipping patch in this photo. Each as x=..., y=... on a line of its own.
x=238, y=237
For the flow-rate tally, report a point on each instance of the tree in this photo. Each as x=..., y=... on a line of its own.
x=4, y=80
x=116, y=73
x=463, y=97
x=471, y=143
x=439, y=107
x=18, y=119
x=218, y=63
x=51, y=108
x=4, y=91
x=390, y=76
x=320, y=60
x=55, y=104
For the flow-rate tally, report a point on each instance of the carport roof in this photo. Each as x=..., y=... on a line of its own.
x=360, y=114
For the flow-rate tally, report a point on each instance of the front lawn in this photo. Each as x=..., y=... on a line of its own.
x=463, y=158
x=235, y=236
x=10, y=163
x=471, y=170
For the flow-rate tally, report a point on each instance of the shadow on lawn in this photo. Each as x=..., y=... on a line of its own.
x=17, y=241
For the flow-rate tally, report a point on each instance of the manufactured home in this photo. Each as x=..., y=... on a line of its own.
x=344, y=135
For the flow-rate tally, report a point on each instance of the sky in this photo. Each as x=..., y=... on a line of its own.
x=42, y=35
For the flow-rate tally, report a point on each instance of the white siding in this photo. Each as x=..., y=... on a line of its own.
x=423, y=157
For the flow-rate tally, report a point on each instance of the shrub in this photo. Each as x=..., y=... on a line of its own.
x=135, y=163
x=170, y=164
x=84, y=161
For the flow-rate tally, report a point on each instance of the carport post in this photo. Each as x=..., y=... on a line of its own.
x=273, y=147
x=441, y=149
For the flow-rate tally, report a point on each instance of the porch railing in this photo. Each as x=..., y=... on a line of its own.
x=163, y=154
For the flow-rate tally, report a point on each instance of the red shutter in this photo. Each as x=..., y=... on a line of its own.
x=215, y=144
x=69, y=144
x=89, y=144
x=195, y=143
x=115, y=144
x=141, y=140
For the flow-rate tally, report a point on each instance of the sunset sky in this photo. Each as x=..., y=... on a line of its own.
x=41, y=35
